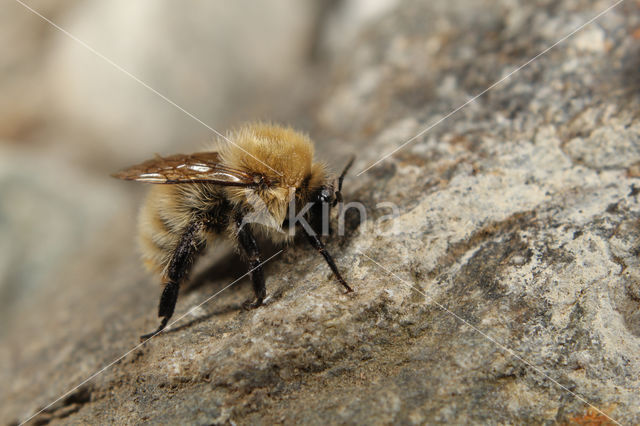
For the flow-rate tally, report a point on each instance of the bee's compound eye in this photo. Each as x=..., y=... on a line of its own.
x=325, y=195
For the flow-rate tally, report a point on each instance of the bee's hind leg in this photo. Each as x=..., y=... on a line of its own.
x=249, y=246
x=167, y=305
x=182, y=259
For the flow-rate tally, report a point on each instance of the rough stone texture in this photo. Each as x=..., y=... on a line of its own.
x=518, y=228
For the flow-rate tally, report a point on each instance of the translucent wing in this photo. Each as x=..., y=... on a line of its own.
x=202, y=167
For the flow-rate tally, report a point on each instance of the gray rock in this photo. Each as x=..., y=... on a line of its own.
x=505, y=291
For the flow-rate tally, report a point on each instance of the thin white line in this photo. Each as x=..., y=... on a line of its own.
x=145, y=341
x=491, y=339
x=118, y=67
x=492, y=86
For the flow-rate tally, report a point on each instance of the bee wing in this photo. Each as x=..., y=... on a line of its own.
x=201, y=167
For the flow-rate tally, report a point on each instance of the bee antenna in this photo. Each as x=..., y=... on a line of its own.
x=344, y=172
x=338, y=198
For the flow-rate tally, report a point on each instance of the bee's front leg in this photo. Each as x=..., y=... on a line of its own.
x=317, y=244
x=249, y=247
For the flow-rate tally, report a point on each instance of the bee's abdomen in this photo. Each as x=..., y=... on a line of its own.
x=163, y=220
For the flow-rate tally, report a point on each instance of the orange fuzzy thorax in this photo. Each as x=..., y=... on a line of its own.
x=281, y=154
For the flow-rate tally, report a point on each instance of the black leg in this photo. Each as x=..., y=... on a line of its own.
x=250, y=248
x=185, y=253
x=338, y=193
x=317, y=244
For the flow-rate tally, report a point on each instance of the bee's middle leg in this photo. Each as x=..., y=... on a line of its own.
x=249, y=246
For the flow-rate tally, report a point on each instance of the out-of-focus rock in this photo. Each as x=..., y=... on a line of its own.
x=24, y=101
x=344, y=20
x=505, y=291
x=50, y=212
x=219, y=61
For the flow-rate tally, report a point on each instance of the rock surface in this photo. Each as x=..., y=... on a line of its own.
x=506, y=290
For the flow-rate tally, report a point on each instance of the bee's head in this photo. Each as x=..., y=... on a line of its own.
x=322, y=199
x=319, y=208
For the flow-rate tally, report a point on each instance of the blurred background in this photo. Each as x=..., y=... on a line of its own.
x=68, y=118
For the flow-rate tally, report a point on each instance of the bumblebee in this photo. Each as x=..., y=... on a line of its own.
x=246, y=188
